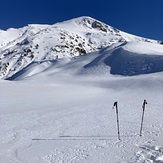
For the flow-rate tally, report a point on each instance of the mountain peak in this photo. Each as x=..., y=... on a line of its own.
x=43, y=43
x=90, y=23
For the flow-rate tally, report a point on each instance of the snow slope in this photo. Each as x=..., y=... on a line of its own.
x=43, y=43
x=126, y=59
x=61, y=109
x=69, y=118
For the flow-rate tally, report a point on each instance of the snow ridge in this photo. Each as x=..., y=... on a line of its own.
x=47, y=43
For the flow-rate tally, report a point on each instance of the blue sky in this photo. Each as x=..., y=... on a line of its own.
x=140, y=17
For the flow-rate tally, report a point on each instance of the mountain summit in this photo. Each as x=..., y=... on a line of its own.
x=33, y=45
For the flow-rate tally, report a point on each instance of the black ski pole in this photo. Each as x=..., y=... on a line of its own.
x=116, y=105
x=141, y=128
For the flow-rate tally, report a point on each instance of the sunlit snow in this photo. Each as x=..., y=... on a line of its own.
x=60, y=109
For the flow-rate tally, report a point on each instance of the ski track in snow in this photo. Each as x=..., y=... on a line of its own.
x=84, y=132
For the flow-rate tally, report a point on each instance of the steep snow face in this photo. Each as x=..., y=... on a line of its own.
x=11, y=35
x=136, y=58
x=116, y=59
x=21, y=48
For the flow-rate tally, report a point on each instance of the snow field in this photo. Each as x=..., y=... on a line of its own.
x=72, y=120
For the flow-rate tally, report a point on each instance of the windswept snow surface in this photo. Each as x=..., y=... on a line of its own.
x=61, y=116
x=60, y=109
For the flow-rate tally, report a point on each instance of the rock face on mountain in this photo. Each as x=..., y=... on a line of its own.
x=46, y=43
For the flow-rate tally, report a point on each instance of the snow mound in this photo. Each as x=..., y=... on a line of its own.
x=153, y=154
x=123, y=62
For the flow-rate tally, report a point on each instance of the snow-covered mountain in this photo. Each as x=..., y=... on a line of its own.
x=42, y=45
x=73, y=72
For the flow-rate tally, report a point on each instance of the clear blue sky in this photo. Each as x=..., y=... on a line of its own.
x=140, y=17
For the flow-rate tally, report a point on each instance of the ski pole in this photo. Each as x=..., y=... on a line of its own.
x=116, y=105
x=141, y=128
